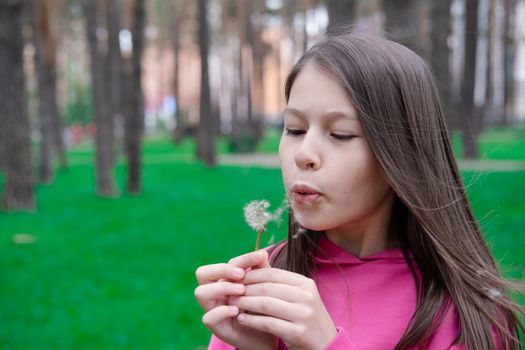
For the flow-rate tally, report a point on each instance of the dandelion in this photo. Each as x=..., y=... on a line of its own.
x=257, y=216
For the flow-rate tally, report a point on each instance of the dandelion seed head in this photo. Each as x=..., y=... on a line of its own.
x=257, y=215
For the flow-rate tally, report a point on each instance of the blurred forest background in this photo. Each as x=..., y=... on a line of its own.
x=132, y=132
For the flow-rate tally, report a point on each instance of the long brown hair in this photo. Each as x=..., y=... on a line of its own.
x=393, y=92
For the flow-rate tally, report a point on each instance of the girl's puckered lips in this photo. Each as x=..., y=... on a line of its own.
x=304, y=194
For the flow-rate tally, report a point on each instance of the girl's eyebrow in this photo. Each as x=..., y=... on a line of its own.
x=330, y=115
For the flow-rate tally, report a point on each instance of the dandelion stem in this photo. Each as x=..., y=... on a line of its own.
x=259, y=233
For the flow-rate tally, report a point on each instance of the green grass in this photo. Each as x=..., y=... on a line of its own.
x=119, y=273
x=497, y=144
x=270, y=142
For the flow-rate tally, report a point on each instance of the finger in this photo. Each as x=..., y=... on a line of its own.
x=276, y=276
x=275, y=326
x=253, y=259
x=276, y=290
x=265, y=262
x=208, y=294
x=272, y=307
x=219, y=314
x=215, y=272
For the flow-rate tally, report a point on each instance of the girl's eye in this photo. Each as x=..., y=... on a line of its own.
x=294, y=132
x=342, y=137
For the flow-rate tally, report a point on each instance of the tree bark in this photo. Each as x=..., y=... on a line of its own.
x=230, y=19
x=114, y=63
x=248, y=126
x=14, y=120
x=135, y=119
x=46, y=48
x=180, y=124
x=489, y=31
x=206, y=134
x=398, y=28
x=441, y=28
x=46, y=68
x=258, y=75
x=468, y=126
x=508, y=60
x=306, y=5
x=340, y=14
x=98, y=50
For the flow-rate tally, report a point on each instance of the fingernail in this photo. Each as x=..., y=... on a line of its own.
x=233, y=300
x=238, y=273
x=233, y=309
x=241, y=318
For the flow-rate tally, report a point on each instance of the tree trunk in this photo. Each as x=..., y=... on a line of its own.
x=58, y=127
x=489, y=81
x=14, y=121
x=258, y=75
x=206, y=134
x=230, y=18
x=306, y=7
x=398, y=28
x=468, y=126
x=340, y=14
x=135, y=119
x=508, y=60
x=45, y=37
x=441, y=28
x=234, y=135
x=180, y=124
x=245, y=31
x=114, y=63
x=46, y=67
x=105, y=182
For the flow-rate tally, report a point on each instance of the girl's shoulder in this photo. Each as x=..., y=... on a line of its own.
x=447, y=328
x=274, y=249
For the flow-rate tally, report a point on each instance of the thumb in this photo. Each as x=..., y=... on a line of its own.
x=255, y=259
x=264, y=259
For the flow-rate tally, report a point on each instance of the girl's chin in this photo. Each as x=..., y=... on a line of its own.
x=312, y=224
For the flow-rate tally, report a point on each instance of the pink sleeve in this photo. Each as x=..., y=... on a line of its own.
x=341, y=341
x=217, y=344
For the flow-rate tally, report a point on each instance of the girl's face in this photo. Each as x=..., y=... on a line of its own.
x=329, y=172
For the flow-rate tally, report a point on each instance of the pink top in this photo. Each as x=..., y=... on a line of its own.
x=370, y=299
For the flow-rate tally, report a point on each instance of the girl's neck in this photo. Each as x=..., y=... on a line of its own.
x=361, y=248
x=369, y=236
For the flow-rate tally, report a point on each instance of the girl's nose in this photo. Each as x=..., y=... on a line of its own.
x=307, y=155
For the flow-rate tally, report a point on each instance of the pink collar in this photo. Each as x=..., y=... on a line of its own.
x=330, y=253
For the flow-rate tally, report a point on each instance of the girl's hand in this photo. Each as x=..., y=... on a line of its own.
x=217, y=283
x=287, y=305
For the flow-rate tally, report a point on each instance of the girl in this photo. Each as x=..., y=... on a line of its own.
x=383, y=250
